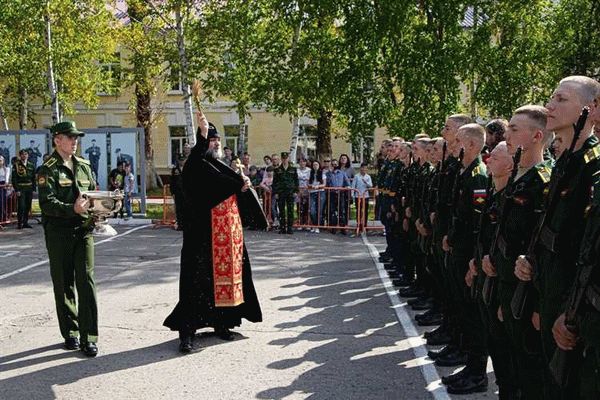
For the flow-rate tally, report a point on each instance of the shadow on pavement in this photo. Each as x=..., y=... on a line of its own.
x=361, y=355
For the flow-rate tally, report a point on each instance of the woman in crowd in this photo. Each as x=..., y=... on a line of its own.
x=4, y=188
x=316, y=184
x=303, y=198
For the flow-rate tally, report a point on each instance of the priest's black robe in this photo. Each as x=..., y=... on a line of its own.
x=207, y=183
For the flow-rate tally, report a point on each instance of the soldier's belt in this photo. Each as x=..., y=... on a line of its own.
x=391, y=194
x=24, y=183
x=549, y=239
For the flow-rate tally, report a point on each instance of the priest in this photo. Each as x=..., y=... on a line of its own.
x=215, y=283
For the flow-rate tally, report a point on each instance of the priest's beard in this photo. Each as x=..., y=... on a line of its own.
x=215, y=154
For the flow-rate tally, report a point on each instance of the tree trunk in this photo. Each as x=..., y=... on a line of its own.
x=242, y=132
x=50, y=71
x=3, y=118
x=187, y=92
x=143, y=113
x=23, y=108
x=295, y=135
x=324, y=134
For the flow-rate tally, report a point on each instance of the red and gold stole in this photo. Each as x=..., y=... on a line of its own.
x=228, y=253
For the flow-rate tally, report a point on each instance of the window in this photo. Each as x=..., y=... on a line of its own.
x=113, y=72
x=177, y=140
x=307, y=142
x=362, y=149
x=232, y=136
x=175, y=83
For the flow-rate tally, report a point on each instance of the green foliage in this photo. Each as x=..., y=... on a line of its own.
x=83, y=36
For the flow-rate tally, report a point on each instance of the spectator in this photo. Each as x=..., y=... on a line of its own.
x=246, y=163
x=236, y=165
x=116, y=178
x=187, y=149
x=276, y=160
x=316, y=184
x=263, y=170
x=269, y=197
x=346, y=166
x=336, y=178
x=227, y=155
x=4, y=190
x=362, y=183
x=303, y=198
x=129, y=189
x=254, y=176
x=116, y=181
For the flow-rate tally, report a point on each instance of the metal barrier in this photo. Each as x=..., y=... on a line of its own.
x=168, y=210
x=8, y=206
x=370, y=199
x=330, y=208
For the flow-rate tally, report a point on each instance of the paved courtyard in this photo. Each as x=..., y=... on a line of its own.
x=330, y=330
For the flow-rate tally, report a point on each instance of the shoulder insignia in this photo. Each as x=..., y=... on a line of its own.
x=479, y=196
x=544, y=173
x=592, y=154
x=51, y=161
x=82, y=160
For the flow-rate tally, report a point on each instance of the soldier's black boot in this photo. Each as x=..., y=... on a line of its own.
x=290, y=231
x=72, y=343
x=469, y=384
x=89, y=349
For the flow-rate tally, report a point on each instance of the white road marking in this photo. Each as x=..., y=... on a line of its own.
x=416, y=341
x=37, y=264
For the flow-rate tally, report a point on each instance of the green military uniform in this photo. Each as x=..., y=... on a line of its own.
x=23, y=181
x=390, y=209
x=285, y=185
x=443, y=206
x=495, y=335
x=557, y=250
x=470, y=199
x=522, y=208
x=69, y=241
x=588, y=313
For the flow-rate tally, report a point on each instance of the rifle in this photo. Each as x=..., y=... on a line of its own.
x=489, y=284
x=441, y=171
x=478, y=250
x=561, y=358
x=521, y=295
x=454, y=196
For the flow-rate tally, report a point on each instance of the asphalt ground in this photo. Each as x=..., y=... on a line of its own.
x=333, y=327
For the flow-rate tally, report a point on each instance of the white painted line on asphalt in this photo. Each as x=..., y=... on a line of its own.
x=37, y=264
x=416, y=342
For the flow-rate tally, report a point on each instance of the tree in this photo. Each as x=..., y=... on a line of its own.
x=77, y=53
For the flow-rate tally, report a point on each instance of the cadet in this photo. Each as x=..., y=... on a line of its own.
x=500, y=166
x=469, y=193
x=527, y=129
x=448, y=333
x=67, y=228
x=23, y=181
x=285, y=185
x=585, y=338
x=561, y=233
x=391, y=206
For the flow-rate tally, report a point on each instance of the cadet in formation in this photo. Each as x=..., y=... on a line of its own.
x=504, y=257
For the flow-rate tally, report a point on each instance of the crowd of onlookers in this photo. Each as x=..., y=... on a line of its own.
x=325, y=192
x=18, y=183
